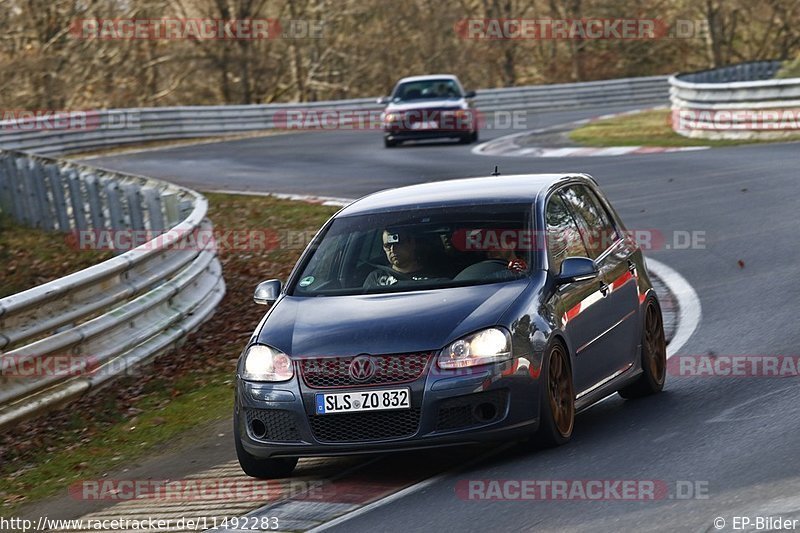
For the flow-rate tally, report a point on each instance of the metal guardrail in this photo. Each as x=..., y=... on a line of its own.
x=117, y=127
x=122, y=312
x=112, y=316
x=737, y=102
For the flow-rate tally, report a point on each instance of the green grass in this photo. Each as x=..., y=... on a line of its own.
x=164, y=419
x=648, y=128
x=188, y=388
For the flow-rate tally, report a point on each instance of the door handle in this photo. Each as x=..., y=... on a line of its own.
x=603, y=289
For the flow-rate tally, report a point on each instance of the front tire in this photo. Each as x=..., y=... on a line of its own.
x=389, y=143
x=557, y=399
x=654, y=355
x=261, y=468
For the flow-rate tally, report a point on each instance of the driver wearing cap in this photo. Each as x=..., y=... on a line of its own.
x=401, y=249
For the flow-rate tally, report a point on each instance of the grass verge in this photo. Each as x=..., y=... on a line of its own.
x=30, y=257
x=648, y=128
x=179, y=391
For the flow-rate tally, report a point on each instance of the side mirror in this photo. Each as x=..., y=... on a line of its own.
x=577, y=269
x=469, y=94
x=383, y=100
x=267, y=292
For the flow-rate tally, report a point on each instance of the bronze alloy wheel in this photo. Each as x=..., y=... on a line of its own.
x=655, y=344
x=561, y=392
x=653, y=358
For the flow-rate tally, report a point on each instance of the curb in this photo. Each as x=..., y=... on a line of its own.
x=506, y=146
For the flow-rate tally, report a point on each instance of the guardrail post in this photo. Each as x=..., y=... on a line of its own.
x=171, y=211
x=114, y=206
x=76, y=200
x=57, y=187
x=185, y=207
x=12, y=173
x=6, y=197
x=43, y=197
x=31, y=216
x=95, y=205
x=152, y=201
x=134, y=206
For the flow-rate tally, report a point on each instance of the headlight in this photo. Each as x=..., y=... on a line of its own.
x=262, y=363
x=488, y=346
x=391, y=117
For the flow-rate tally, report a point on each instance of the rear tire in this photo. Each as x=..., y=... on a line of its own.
x=261, y=468
x=557, y=399
x=654, y=355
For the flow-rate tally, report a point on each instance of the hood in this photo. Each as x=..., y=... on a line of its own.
x=385, y=323
x=428, y=103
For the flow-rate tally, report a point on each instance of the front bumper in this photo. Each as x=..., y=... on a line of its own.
x=419, y=135
x=491, y=402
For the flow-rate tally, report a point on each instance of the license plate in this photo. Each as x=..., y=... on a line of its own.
x=348, y=402
x=425, y=125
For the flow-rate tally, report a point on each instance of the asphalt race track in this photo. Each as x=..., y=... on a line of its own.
x=733, y=440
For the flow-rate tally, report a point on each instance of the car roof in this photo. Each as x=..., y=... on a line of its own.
x=428, y=77
x=463, y=191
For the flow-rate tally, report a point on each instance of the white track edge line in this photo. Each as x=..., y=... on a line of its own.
x=689, y=308
x=409, y=490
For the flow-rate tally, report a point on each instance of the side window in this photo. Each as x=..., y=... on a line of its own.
x=563, y=237
x=595, y=223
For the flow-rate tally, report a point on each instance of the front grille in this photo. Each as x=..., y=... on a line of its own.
x=334, y=372
x=347, y=427
x=471, y=410
x=276, y=425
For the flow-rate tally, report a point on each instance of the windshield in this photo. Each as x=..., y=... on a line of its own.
x=419, y=250
x=427, y=89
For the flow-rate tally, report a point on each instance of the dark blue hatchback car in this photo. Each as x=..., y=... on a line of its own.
x=448, y=313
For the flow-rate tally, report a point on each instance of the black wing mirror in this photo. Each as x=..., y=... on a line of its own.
x=469, y=94
x=267, y=292
x=577, y=269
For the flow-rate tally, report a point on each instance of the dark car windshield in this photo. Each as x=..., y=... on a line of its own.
x=419, y=250
x=427, y=89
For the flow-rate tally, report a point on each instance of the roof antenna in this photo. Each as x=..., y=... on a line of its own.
x=496, y=171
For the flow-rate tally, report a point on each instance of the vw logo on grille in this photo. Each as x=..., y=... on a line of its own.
x=362, y=368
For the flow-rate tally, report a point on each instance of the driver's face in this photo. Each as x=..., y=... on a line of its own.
x=400, y=254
